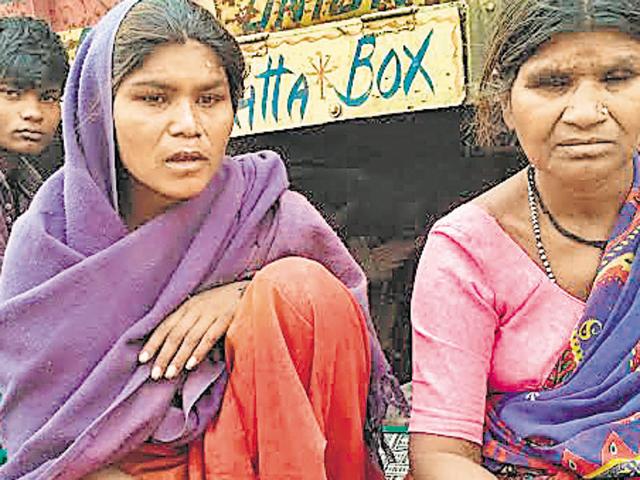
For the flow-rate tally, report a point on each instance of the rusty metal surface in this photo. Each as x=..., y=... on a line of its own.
x=17, y=7
x=61, y=14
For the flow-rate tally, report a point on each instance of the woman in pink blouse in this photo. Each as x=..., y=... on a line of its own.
x=525, y=320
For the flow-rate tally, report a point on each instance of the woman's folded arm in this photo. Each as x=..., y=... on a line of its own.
x=435, y=457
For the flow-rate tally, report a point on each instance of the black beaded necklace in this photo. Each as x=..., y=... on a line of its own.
x=600, y=244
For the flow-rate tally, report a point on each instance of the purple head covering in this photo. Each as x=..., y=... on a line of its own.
x=79, y=292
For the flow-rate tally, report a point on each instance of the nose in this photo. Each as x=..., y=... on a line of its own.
x=585, y=106
x=185, y=121
x=31, y=108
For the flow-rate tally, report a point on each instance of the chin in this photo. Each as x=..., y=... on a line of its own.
x=28, y=150
x=34, y=151
x=184, y=194
x=587, y=168
x=183, y=188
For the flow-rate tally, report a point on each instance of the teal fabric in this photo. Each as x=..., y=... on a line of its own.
x=3, y=452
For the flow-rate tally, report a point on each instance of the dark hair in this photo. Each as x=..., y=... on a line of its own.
x=521, y=27
x=152, y=23
x=31, y=54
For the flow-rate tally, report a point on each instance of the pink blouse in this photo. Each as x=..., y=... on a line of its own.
x=486, y=319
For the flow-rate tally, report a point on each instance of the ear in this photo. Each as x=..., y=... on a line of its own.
x=507, y=112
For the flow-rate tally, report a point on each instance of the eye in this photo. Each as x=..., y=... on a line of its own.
x=50, y=97
x=12, y=93
x=615, y=77
x=154, y=99
x=552, y=82
x=209, y=99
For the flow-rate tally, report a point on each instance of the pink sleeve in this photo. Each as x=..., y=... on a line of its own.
x=454, y=323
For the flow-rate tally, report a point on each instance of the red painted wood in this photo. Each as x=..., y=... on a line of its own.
x=68, y=14
x=17, y=7
x=61, y=14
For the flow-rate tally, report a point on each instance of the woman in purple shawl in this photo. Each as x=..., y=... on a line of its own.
x=100, y=379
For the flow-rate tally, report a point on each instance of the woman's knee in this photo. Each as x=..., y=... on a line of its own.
x=302, y=280
x=311, y=289
x=294, y=271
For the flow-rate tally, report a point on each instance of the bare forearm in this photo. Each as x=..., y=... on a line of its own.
x=446, y=466
x=435, y=457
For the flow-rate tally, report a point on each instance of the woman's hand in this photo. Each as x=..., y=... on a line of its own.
x=186, y=336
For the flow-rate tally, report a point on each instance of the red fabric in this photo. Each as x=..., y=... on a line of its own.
x=155, y=462
x=295, y=406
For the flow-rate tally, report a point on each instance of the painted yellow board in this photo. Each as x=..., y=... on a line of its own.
x=383, y=63
x=252, y=16
x=71, y=40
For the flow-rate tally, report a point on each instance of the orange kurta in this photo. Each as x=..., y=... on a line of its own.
x=295, y=405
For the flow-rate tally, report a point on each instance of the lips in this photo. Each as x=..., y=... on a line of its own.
x=186, y=162
x=585, y=148
x=185, y=157
x=29, y=135
x=577, y=142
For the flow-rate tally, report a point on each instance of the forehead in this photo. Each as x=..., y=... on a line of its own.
x=584, y=50
x=26, y=84
x=188, y=63
x=35, y=75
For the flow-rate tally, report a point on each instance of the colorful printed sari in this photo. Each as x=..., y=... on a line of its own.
x=585, y=422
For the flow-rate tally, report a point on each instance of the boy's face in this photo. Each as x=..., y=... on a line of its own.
x=29, y=117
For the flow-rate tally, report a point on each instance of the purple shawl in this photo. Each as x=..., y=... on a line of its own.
x=79, y=292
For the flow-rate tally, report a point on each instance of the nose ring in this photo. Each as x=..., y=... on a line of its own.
x=603, y=110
